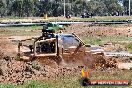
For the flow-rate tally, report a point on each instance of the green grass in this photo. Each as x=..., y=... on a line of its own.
x=21, y=31
x=35, y=84
x=92, y=40
x=23, y=28
x=28, y=84
x=99, y=41
x=94, y=18
x=129, y=46
x=72, y=81
x=6, y=86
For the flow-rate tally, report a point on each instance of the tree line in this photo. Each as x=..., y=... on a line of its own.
x=29, y=8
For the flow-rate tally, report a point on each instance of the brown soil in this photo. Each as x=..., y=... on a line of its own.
x=6, y=47
x=99, y=30
x=17, y=72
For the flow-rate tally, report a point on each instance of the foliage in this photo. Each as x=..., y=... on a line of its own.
x=126, y=2
x=129, y=46
x=28, y=8
x=2, y=8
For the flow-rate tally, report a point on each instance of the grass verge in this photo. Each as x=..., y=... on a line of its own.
x=72, y=81
x=41, y=19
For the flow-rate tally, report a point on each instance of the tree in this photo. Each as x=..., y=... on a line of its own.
x=78, y=7
x=43, y=7
x=126, y=6
x=2, y=8
x=9, y=4
x=57, y=9
x=27, y=8
x=113, y=6
x=17, y=8
x=96, y=7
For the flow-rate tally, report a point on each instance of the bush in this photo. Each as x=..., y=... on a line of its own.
x=129, y=46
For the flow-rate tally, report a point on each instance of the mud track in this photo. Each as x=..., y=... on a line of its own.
x=17, y=72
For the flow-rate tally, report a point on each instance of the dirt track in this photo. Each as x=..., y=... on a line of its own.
x=100, y=30
x=17, y=72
